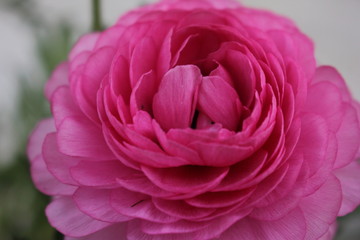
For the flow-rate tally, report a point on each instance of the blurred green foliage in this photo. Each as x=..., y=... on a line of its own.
x=22, y=207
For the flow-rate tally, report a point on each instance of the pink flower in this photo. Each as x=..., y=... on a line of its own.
x=197, y=120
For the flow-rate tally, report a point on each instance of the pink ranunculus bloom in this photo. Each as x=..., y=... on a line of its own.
x=197, y=120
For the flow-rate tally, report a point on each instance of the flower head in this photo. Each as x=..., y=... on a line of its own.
x=198, y=120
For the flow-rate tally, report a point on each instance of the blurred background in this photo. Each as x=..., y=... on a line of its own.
x=37, y=34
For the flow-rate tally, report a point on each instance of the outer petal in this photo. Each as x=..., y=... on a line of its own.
x=321, y=208
x=60, y=77
x=69, y=220
x=117, y=231
x=34, y=147
x=292, y=226
x=349, y=178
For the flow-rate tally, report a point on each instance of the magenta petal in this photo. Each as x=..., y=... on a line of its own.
x=57, y=163
x=46, y=182
x=138, y=205
x=321, y=208
x=174, y=103
x=77, y=136
x=329, y=106
x=100, y=173
x=220, y=102
x=43, y=128
x=69, y=220
x=181, y=209
x=186, y=179
x=350, y=185
x=60, y=77
x=63, y=105
x=96, y=204
x=142, y=63
x=143, y=93
x=348, y=137
x=108, y=233
x=292, y=226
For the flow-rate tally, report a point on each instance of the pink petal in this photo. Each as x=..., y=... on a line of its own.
x=108, y=233
x=77, y=136
x=86, y=86
x=119, y=77
x=329, y=105
x=174, y=103
x=57, y=163
x=141, y=63
x=60, y=77
x=69, y=220
x=220, y=102
x=37, y=137
x=350, y=185
x=137, y=205
x=181, y=209
x=292, y=226
x=96, y=204
x=321, y=208
x=143, y=93
x=63, y=106
x=46, y=182
x=100, y=174
x=186, y=179
x=85, y=43
x=330, y=74
x=348, y=137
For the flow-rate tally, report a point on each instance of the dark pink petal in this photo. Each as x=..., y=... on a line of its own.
x=321, y=208
x=69, y=220
x=174, y=148
x=86, y=86
x=141, y=63
x=350, y=185
x=100, y=174
x=46, y=182
x=43, y=128
x=60, y=77
x=220, y=199
x=220, y=102
x=292, y=226
x=77, y=136
x=181, y=209
x=186, y=179
x=138, y=205
x=221, y=155
x=141, y=184
x=243, y=172
x=108, y=233
x=96, y=204
x=174, y=103
x=119, y=77
x=143, y=93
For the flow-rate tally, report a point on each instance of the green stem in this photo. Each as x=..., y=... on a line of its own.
x=96, y=15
